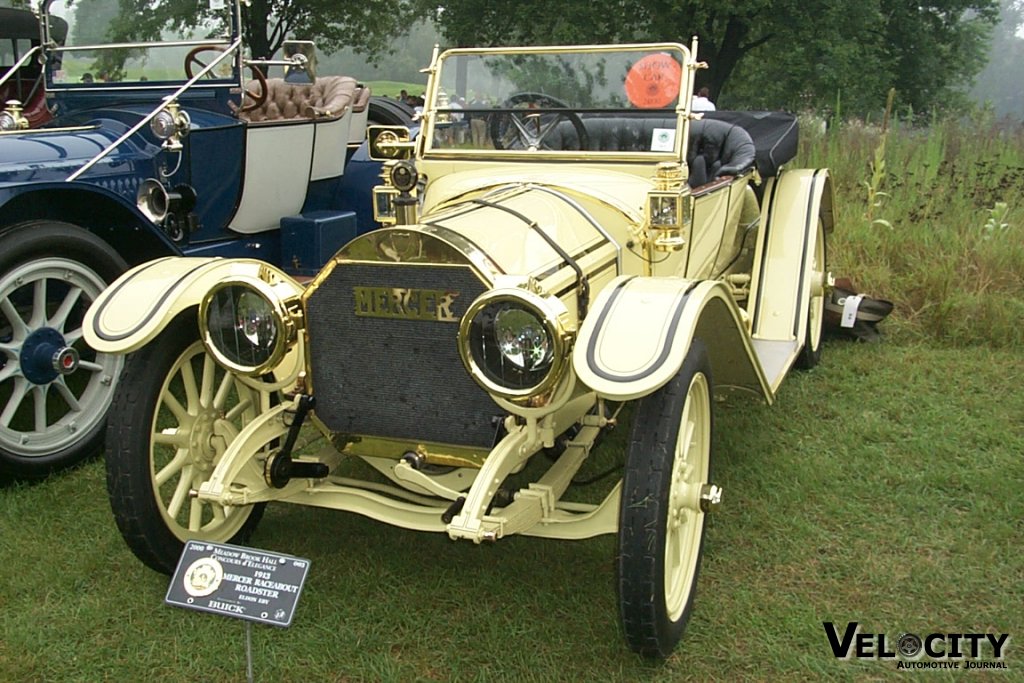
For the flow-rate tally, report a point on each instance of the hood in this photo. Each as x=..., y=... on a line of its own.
x=508, y=234
x=52, y=155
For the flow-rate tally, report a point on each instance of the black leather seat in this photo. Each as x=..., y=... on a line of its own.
x=717, y=148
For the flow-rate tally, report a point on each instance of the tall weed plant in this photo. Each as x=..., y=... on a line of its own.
x=940, y=231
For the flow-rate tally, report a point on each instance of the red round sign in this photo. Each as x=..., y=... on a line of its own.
x=653, y=82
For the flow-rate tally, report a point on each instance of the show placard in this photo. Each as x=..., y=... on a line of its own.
x=234, y=581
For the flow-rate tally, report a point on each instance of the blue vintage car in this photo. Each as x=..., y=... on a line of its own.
x=155, y=149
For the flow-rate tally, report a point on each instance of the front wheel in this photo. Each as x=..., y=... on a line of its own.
x=665, y=493
x=174, y=418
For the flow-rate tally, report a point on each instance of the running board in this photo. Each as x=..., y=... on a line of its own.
x=775, y=357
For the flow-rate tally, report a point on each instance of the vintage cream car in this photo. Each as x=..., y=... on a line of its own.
x=569, y=239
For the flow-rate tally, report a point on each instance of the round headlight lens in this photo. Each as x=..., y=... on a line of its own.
x=522, y=339
x=243, y=328
x=511, y=345
x=163, y=125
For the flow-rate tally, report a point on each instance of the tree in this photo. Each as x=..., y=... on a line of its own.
x=801, y=52
x=997, y=81
x=368, y=25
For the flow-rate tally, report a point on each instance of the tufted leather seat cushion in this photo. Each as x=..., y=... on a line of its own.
x=328, y=97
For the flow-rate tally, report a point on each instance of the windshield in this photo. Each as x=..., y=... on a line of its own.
x=160, y=47
x=615, y=99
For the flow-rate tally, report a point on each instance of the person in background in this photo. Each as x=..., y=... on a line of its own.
x=701, y=101
x=87, y=78
x=477, y=120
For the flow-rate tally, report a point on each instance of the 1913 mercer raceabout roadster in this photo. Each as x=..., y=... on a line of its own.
x=583, y=243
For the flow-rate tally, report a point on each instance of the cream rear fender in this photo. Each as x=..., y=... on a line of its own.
x=636, y=336
x=137, y=306
x=781, y=285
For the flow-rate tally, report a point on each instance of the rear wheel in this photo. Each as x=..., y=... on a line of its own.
x=810, y=354
x=387, y=112
x=665, y=492
x=175, y=416
x=54, y=390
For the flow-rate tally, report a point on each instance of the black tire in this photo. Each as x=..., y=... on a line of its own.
x=385, y=111
x=654, y=612
x=810, y=353
x=49, y=421
x=142, y=507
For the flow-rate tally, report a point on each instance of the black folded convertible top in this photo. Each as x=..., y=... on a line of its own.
x=774, y=133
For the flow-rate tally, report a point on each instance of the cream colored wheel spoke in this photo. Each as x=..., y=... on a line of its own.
x=39, y=412
x=38, y=317
x=171, y=438
x=172, y=403
x=60, y=316
x=206, y=390
x=238, y=410
x=19, y=328
x=188, y=380
x=195, y=515
x=221, y=397
x=66, y=394
x=18, y=393
x=70, y=338
x=173, y=467
x=180, y=491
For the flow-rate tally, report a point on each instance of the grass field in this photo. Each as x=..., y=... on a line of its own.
x=876, y=490
x=883, y=487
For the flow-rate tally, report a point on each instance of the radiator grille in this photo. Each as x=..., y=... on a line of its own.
x=395, y=377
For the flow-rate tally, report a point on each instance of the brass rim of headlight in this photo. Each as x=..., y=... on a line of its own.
x=554, y=325
x=285, y=328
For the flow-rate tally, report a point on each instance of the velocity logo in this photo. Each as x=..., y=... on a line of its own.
x=932, y=651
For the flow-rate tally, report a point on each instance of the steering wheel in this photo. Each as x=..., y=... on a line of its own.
x=532, y=122
x=256, y=98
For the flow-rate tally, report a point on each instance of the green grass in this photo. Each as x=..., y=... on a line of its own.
x=394, y=88
x=947, y=241
x=877, y=489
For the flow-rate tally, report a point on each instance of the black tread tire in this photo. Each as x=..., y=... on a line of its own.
x=129, y=482
x=810, y=355
x=385, y=111
x=38, y=239
x=647, y=624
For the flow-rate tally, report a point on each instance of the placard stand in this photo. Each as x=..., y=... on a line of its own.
x=239, y=582
x=248, y=652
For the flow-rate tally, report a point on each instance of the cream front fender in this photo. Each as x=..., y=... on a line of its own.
x=639, y=329
x=140, y=303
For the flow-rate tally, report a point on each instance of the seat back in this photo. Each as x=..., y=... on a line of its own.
x=329, y=97
x=716, y=148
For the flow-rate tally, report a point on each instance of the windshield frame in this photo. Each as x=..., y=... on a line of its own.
x=231, y=44
x=435, y=116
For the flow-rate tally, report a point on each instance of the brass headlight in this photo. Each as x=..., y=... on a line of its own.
x=12, y=118
x=245, y=326
x=515, y=343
